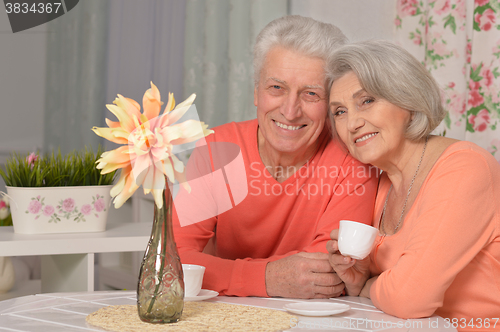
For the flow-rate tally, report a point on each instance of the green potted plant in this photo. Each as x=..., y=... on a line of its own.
x=56, y=193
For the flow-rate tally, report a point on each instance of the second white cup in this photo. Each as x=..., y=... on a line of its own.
x=193, y=279
x=356, y=239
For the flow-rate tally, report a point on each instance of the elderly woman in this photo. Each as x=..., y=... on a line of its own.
x=438, y=201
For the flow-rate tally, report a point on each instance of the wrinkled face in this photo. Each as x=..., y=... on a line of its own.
x=291, y=101
x=372, y=128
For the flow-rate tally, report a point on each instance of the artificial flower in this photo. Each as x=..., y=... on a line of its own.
x=4, y=209
x=31, y=159
x=146, y=156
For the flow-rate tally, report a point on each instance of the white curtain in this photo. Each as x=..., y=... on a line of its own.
x=146, y=43
x=104, y=48
x=76, y=80
x=218, y=55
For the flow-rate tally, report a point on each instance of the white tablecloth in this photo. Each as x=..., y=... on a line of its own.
x=58, y=312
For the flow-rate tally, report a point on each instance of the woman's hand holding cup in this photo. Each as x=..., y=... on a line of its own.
x=353, y=272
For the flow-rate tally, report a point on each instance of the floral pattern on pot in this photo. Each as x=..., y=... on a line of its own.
x=459, y=43
x=66, y=209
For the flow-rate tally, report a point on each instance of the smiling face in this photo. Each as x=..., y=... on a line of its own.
x=291, y=101
x=372, y=128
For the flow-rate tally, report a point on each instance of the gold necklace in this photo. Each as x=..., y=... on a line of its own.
x=407, y=195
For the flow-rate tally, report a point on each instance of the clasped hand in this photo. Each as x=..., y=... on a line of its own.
x=303, y=275
x=354, y=273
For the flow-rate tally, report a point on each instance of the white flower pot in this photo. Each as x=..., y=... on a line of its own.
x=59, y=209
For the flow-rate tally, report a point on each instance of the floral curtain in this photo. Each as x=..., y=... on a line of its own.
x=459, y=43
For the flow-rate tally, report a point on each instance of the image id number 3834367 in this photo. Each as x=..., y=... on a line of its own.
x=478, y=323
x=35, y=8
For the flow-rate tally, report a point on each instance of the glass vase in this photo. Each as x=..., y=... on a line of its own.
x=160, y=290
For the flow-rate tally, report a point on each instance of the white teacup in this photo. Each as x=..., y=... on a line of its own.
x=356, y=239
x=193, y=278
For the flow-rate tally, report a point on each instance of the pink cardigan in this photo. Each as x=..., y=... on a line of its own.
x=446, y=257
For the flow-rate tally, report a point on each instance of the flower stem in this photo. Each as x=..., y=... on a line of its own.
x=160, y=213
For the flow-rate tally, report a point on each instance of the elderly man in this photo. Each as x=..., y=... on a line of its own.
x=301, y=183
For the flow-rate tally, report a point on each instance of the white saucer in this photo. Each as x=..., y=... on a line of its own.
x=316, y=308
x=203, y=295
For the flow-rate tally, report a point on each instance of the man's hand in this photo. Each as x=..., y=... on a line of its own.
x=354, y=273
x=303, y=276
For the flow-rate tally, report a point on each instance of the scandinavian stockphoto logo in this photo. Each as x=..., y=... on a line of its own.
x=217, y=181
x=215, y=176
x=26, y=14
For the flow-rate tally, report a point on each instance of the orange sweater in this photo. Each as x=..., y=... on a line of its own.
x=275, y=219
x=445, y=259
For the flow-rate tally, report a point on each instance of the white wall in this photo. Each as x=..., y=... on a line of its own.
x=358, y=19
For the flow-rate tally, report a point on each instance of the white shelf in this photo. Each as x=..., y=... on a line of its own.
x=117, y=238
x=68, y=259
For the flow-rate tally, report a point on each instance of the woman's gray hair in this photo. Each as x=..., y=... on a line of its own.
x=390, y=72
x=296, y=33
